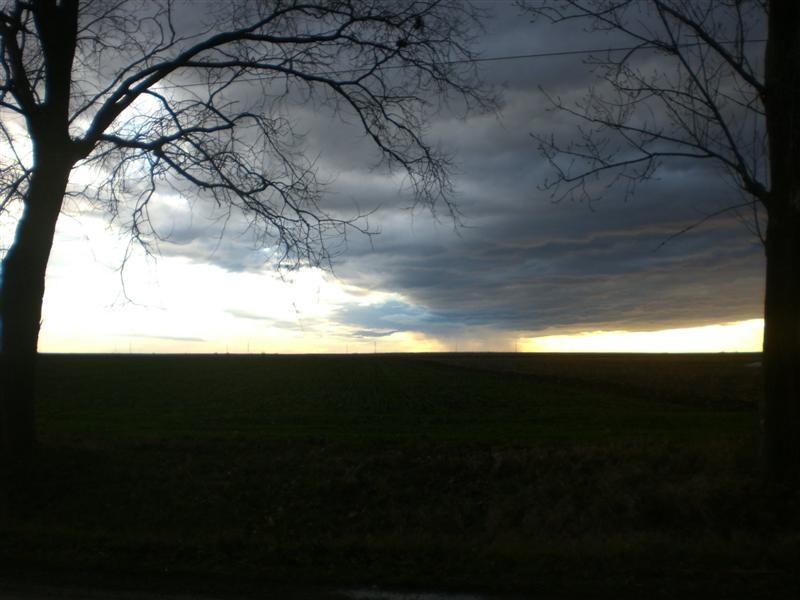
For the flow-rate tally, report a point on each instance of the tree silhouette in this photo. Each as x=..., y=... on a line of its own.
x=150, y=95
x=692, y=86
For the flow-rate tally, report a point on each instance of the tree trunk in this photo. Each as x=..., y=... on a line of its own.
x=781, y=97
x=781, y=410
x=21, y=297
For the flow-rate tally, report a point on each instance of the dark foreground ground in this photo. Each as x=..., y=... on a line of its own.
x=539, y=475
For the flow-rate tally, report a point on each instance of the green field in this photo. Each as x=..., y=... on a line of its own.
x=540, y=475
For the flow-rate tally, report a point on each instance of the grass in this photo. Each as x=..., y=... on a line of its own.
x=346, y=399
x=392, y=471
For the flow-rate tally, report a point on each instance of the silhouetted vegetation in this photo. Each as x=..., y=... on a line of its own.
x=79, y=77
x=697, y=84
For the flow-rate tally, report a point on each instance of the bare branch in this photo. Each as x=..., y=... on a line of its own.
x=739, y=65
x=197, y=104
x=686, y=89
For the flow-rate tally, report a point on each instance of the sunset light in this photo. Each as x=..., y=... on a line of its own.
x=399, y=299
x=744, y=336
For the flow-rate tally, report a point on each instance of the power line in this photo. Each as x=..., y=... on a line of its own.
x=585, y=51
x=487, y=59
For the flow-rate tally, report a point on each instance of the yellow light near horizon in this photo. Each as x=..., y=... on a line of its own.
x=184, y=306
x=741, y=336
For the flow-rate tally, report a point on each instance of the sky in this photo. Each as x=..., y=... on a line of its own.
x=521, y=272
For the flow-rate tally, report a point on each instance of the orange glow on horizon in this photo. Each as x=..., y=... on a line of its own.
x=741, y=336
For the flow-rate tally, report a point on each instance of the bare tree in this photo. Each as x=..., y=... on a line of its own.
x=152, y=95
x=710, y=80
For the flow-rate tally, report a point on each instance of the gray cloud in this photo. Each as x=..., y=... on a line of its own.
x=242, y=314
x=522, y=263
x=368, y=333
x=174, y=338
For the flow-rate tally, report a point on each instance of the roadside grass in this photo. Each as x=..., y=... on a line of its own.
x=390, y=471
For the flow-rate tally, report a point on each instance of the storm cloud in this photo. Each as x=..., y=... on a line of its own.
x=517, y=260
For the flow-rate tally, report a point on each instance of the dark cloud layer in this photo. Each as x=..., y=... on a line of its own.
x=521, y=262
